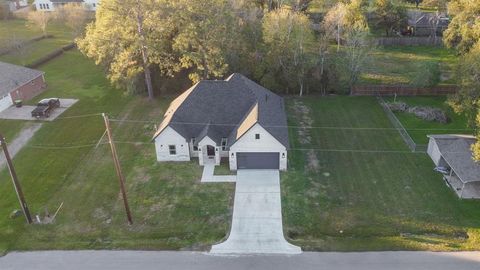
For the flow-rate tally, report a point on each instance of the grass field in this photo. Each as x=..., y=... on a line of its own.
x=171, y=209
x=399, y=64
x=18, y=29
x=335, y=198
x=418, y=129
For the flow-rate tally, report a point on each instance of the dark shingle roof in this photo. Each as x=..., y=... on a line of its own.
x=13, y=76
x=217, y=108
x=456, y=151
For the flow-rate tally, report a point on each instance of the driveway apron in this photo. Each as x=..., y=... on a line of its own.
x=257, y=216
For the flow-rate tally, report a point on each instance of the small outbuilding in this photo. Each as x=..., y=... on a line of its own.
x=452, y=154
x=19, y=83
x=235, y=119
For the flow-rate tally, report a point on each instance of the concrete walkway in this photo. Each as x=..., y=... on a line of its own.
x=257, y=216
x=19, y=142
x=171, y=260
x=208, y=177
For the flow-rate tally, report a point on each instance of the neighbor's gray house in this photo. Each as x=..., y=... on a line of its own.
x=421, y=23
x=17, y=82
x=235, y=119
x=454, y=153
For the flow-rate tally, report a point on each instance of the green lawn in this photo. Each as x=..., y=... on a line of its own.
x=399, y=64
x=19, y=29
x=348, y=201
x=171, y=209
x=419, y=129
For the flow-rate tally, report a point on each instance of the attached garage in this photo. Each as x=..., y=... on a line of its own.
x=5, y=102
x=258, y=160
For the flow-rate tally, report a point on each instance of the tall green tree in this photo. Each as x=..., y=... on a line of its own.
x=208, y=32
x=289, y=38
x=128, y=37
x=464, y=29
x=467, y=100
x=389, y=15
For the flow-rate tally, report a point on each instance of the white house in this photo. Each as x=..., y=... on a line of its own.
x=452, y=154
x=235, y=119
x=50, y=5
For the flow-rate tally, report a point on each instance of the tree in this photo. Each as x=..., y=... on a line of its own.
x=389, y=15
x=208, y=32
x=128, y=37
x=289, y=39
x=343, y=17
x=468, y=78
x=357, y=49
x=434, y=21
x=464, y=29
x=39, y=19
x=74, y=16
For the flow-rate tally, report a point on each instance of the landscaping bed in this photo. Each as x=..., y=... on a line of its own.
x=418, y=128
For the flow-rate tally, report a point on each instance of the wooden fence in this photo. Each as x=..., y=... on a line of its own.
x=390, y=90
x=408, y=41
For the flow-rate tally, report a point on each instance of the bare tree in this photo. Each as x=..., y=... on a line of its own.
x=18, y=47
x=39, y=19
x=357, y=49
x=434, y=21
x=74, y=16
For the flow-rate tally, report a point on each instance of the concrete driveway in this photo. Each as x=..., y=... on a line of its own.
x=24, y=112
x=257, y=216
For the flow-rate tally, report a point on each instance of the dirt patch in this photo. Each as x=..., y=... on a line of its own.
x=303, y=114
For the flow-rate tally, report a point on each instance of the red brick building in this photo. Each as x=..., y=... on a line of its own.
x=19, y=83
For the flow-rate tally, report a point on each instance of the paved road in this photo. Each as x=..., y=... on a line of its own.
x=146, y=260
x=257, y=216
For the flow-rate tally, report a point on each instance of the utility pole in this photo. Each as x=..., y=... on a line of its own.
x=118, y=169
x=16, y=183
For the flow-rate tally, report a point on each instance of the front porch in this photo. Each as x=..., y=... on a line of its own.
x=463, y=190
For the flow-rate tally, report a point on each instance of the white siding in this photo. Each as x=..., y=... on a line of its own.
x=266, y=143
x=202, y=147
x=44, y=5
x=170, y=137
x=5, y=102
x=91, y=4
x=434, y=152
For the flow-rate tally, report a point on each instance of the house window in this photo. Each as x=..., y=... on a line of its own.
x=48, y=6
x=195, y=147
x=172, y=149
x=93, y=4
x=257, y=136
x=224, y=144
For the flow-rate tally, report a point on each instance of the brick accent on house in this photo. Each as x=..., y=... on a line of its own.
x=30, y=89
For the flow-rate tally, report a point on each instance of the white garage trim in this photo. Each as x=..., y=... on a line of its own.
x=257, y=139
x=5, y=102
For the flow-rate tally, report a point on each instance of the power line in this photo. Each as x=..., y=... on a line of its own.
x=299, y=127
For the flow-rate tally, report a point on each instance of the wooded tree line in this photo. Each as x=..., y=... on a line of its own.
x=271, y=41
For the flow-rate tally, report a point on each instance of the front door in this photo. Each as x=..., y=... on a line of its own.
x=210, y=151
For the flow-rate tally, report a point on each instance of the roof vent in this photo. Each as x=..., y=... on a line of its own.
x=266, y=97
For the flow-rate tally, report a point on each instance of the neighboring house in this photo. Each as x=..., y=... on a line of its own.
x=14, y=5
x=453, y=155
x=17, y=82
x=50, y=5
x=426, y=23
x=235, y=119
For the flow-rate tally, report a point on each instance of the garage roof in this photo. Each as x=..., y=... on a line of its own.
x=223, y=105
x=456, y=150
x=13, y=76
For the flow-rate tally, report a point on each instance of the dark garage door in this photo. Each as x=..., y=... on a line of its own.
x=258, y=160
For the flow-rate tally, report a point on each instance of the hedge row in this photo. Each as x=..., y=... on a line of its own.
x=50, y=56
x=7, y=50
